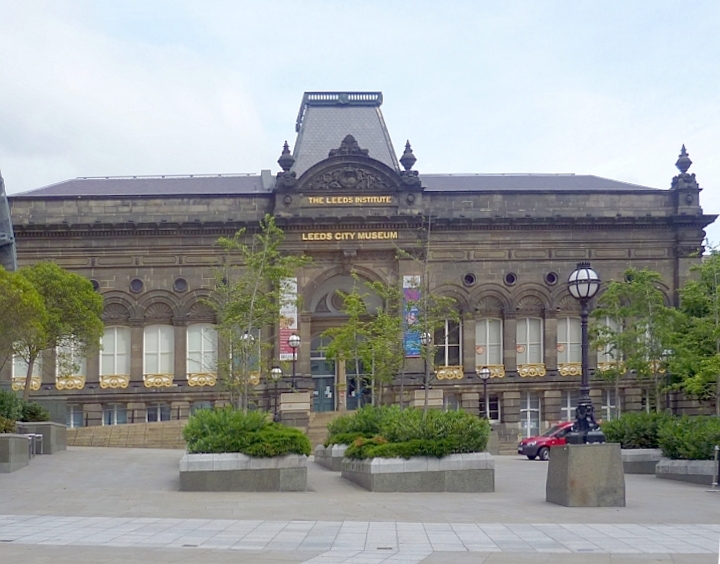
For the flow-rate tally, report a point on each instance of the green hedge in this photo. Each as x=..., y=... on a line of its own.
x=690, y=438
x=32, y=411
x=13, y=408
x=635, y=430
x=229, y=430
x=6, y=425
x=388, y=432
x=11, y=405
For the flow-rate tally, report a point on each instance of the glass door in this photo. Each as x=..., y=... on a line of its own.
x=323, y=373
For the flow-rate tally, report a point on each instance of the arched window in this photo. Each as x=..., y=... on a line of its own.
x=530, y=340
x=448, y=344
x=19, y=373
x=115, y=352
x=202, y=345
x=159, y=347
x=488, y=342
x=569, y=340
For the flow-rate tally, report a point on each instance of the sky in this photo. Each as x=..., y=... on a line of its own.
x=143, y=87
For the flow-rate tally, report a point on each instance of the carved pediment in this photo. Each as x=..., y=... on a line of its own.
x=349, y=177
x=348, y=146
x=115, y=312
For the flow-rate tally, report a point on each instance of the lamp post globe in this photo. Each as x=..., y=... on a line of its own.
x=294, y=343
x=583, y=285
x=484, y=374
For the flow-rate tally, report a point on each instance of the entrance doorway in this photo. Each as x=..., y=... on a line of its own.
x=323, y=373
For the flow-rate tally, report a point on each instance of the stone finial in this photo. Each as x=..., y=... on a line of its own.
x=348, y=147
x=286, y=160
x=683, y=163
x=408, y=158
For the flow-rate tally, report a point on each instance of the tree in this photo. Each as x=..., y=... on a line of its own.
x=252, y=286
x=640, y=329
x=696, y=358
x=22, y=312
x=72, y=315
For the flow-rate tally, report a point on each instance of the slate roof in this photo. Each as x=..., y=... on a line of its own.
x=325, y=118
x=151, y=186
x=524, y=182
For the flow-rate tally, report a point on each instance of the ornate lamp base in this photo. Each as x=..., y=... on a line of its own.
x=585, y=430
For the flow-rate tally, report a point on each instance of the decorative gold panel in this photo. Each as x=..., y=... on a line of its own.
x=202, y=379
x=254, y=378
x=570, y=369
x=115, y=381
x=158, y=380
x=605, y=366
x=449, y=373
x=70, y=382
x=531, y=370
x=496, y=370
x=18, y=383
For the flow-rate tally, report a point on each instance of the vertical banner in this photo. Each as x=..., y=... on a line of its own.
x=411, y=299
x=288, y=316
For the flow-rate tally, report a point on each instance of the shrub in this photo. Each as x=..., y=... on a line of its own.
x=391, y=432
x=690, y=438
x=32, y=411
x=229, y=430
x=635, y=430
x=6, y=425
x=10, y=405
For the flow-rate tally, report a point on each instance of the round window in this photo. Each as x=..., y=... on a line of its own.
x=136, y=285
x=551, y=278
x=510, y=278
x=180, y=285
x=469, y=279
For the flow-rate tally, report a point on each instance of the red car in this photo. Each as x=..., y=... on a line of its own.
x=534, y=447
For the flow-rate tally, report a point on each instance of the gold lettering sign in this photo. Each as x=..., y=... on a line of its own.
x=349, y=200
x=350, y=236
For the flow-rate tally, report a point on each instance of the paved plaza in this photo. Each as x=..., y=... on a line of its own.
x=123, y=505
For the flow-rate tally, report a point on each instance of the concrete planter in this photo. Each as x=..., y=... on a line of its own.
x=54, y=434
x=330, y=457
x=640, y=460
x=235, y=472
x=694, y=471
x=14, y=452
x=465, y=473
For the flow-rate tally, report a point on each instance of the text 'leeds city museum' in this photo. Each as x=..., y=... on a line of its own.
x=501, y=245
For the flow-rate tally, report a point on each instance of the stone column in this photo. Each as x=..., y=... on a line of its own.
x=632, y=399
x=136, y=350
x=303, y=353
x=468, y=343
x=180, y=344
x=92, y=369
x=49, y=368
x=92, y=414
x=552, y=401
x=597, y=401
x=551, y=324
x=136, y=412
x=511, y=409
x=510, y=344
x=341, y=388
x=470, y=402
x=179, y=409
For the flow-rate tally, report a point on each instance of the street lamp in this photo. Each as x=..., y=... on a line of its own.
x=484, y=374
x=276, y=375
x=583, y=285
x=294, y=343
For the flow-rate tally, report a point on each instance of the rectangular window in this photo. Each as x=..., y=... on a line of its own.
x=20, y=367
x=201, y=349
x=159, y=349
x=529, y=340
x=530, y=414
x=114, y=414
x=569, y=340
x=609, y=354
x=488, y=342
x=158, y=412
x=493, y=405
x=609, y=408
x=447, y=344
x=74, y=416
x=198, y=405
x=115, y=351
x=569, y=403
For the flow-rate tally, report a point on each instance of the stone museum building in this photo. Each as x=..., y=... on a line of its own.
x=502, y=245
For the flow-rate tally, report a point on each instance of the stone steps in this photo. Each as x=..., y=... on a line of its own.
x=317, y=429
x=165, y=434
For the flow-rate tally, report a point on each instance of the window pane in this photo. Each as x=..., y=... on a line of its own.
x=453, y=357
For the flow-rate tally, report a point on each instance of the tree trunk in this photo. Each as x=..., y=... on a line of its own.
x=28, y=378
x=617, y=398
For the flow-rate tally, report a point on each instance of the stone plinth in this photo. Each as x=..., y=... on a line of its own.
x=640, y=460
x=693, y=471
x=14, y=452
x=435, y=399
x=294, y=409
x=54, y=434
x=235, y=472
x=331, y=456
x=586, y=476
x=465, y=473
